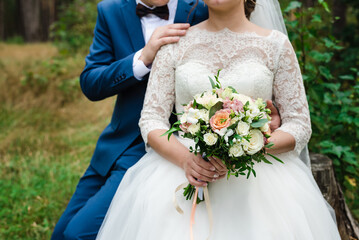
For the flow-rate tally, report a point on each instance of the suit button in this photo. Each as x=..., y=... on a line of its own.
x=123, y=76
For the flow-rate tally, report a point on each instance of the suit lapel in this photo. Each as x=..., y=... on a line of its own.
x=133, y=24
x=183, y=9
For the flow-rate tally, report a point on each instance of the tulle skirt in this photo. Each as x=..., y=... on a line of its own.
x=282, y=203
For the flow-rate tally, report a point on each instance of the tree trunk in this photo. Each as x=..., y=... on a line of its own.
x=339, y=10
x=2, y=18
x=30, y=11
x=323, y=173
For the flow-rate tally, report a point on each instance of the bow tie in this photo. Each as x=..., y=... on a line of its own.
x=161, y=12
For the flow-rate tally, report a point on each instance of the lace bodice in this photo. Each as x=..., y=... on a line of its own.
x=258, y=66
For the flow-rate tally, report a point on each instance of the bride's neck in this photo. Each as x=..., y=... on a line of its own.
x=233, y=18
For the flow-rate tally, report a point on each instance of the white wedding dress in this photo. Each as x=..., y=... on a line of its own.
x=282, y=203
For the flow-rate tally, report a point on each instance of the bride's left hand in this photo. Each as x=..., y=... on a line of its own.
x=221, y=169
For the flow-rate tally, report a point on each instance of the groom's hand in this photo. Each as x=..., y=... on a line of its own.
x=162, y=36
x=196, y=168
x=276, y=121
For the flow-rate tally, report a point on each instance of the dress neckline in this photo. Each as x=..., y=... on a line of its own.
x=227, y=31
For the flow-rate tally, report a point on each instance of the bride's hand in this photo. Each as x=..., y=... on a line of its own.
x=196, y=168
x=220, y=167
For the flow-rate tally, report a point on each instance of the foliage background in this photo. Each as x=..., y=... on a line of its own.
x=48, y=129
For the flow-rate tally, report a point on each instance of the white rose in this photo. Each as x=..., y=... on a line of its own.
x=193, y=128
x=236, y=150
x=208, y=99
x=227, y=93
x=256, y=142
x=265, y=127
x=183, y=118
x=242, y=128
x=210, y=138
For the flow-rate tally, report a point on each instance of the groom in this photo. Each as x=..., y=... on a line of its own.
x=127, y=36
x=118, y=64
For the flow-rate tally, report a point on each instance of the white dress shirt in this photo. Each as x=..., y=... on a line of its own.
x=149, y=23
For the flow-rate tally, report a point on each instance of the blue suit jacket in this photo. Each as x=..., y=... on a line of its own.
x=108, y=72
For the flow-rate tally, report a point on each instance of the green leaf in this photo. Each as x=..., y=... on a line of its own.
x=215, y=108
x=347, y=77
x=171, y=131
x=212, y=83
x=293, y=5
x=275, y=158
x=325, y=72
x=259, y=124
x=316, y=18
x=233, y=90
x=321, y=56
x=269, y=145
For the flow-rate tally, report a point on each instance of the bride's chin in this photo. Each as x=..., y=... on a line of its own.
x=223, y=5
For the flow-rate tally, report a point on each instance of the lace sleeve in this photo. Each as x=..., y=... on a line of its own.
x=289, y=95
x=160, y=94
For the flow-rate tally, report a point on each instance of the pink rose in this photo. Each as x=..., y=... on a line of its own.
x=220, y=120
x=184, y=127
x=235, y=105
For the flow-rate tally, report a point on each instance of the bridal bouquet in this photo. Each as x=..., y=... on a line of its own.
x=227, y=125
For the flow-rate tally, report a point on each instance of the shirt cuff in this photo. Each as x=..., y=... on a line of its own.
x=139, y=68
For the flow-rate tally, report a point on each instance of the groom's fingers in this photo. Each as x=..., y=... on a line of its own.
x=168, y=40
x=276, y=121
x=179, y=25
x=173, y=32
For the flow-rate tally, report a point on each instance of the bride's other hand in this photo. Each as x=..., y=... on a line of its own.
x=220, y=167
x=196, y=168
x=276, y=121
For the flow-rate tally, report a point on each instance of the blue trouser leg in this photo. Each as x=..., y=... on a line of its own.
x=87, y=208
x=89, y=184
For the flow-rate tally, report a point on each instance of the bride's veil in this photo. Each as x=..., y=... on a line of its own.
x=267, y=14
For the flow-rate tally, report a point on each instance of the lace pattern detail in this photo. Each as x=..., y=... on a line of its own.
x=258, y=66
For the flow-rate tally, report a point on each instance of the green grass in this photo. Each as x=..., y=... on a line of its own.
x=45, y=144
x=43, y=156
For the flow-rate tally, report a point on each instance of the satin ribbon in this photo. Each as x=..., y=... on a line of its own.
x=194, y=205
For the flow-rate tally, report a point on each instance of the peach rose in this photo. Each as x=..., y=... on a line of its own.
x=220, y=120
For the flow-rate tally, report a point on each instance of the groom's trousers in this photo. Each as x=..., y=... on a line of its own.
x=88, y=206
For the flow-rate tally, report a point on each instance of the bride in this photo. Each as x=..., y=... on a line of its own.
x=283, y=202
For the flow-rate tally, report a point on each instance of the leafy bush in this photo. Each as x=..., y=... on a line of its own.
x=331, y=79
x=74, y=29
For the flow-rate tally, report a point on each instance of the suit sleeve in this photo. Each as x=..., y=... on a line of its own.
x=104, y=76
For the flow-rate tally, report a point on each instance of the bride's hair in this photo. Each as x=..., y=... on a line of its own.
x=249, y=7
